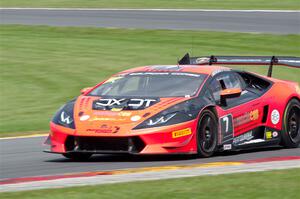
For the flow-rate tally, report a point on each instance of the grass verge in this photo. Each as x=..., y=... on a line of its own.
x=43, y=67
x=201, y=4
x=272, y=184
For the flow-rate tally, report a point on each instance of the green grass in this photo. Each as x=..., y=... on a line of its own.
x=281, y=184
x=43, y=67
x=209, y=4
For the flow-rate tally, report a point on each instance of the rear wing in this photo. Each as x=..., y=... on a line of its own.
x=242, y=60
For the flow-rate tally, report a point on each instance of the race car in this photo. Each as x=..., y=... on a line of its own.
x=197, y=106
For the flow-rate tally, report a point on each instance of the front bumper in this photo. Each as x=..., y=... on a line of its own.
x=175, y=139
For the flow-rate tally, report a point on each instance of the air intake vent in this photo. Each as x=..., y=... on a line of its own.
x=265, y=114
x=104, y=144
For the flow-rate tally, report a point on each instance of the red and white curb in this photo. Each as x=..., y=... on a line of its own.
x=151, y=173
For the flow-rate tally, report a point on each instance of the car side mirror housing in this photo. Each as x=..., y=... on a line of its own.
x=85, y=90
x=229, y=93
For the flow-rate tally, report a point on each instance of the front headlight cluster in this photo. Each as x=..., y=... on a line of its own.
x=182, y=112
x=64, y=116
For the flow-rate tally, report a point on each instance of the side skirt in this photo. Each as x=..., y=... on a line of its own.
x=255, y=138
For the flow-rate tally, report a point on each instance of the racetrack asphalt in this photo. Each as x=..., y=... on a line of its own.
x=24, y=157
x=237, y=21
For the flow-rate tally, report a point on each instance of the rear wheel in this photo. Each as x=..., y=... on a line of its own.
x=291, y=125
x=207, y=134
x=78, y=156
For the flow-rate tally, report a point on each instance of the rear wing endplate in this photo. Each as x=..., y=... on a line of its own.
x=242, y=60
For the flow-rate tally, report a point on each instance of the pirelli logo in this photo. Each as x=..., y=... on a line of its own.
x=181, y=133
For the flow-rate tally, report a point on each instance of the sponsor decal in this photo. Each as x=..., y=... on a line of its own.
x=181, y=133
x=135, y=118
x=275, y=116
x=124, y=114
x=65, y=118
x=268, y=135
x=253, y=141
x=109, y=102
x=105, y=129
x=246, y=117
x=123, y=104
x=275, y=134
x=113, y=113
x=254, y=115
x=84, y=117
x=227, y=147
x=116, y=109
x=112, y=119
x=242, y=138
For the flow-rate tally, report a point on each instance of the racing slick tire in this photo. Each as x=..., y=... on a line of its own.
x=78, y=156
x=207, y=134
x=291, y=125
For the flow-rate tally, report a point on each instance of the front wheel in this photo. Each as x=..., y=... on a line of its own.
x=78, y=156
x=207, y=134
x=291, y=125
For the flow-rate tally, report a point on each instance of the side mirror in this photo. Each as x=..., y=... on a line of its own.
x=229, y=93
x=85, y=90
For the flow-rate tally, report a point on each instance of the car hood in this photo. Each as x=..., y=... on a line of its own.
x=95, y=116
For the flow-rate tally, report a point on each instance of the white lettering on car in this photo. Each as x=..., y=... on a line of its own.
x=131, y=102
x=109, y=102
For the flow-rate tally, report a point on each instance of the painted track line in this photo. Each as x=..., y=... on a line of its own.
x=151, y=175
x=154, y=9
x=24, y=136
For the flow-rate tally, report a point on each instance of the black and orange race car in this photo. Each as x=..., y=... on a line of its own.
x=194, y=107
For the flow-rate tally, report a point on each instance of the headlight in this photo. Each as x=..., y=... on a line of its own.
x=182, y=112
x=64, y=116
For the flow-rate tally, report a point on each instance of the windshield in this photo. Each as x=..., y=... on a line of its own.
x=150, y=84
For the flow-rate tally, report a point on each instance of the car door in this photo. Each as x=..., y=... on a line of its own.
x=240, y=114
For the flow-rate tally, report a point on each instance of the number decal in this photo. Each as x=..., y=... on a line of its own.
x=226, y=121
x=226, y=128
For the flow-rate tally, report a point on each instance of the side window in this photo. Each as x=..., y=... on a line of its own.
x=216, y=89
x=224, y=81
x=231, y=80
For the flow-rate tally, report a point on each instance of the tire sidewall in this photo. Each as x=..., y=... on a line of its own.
x=202, y=153
x=286, y=140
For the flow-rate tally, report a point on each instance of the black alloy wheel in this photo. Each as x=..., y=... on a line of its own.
x=207, y=134
x=291, y=124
